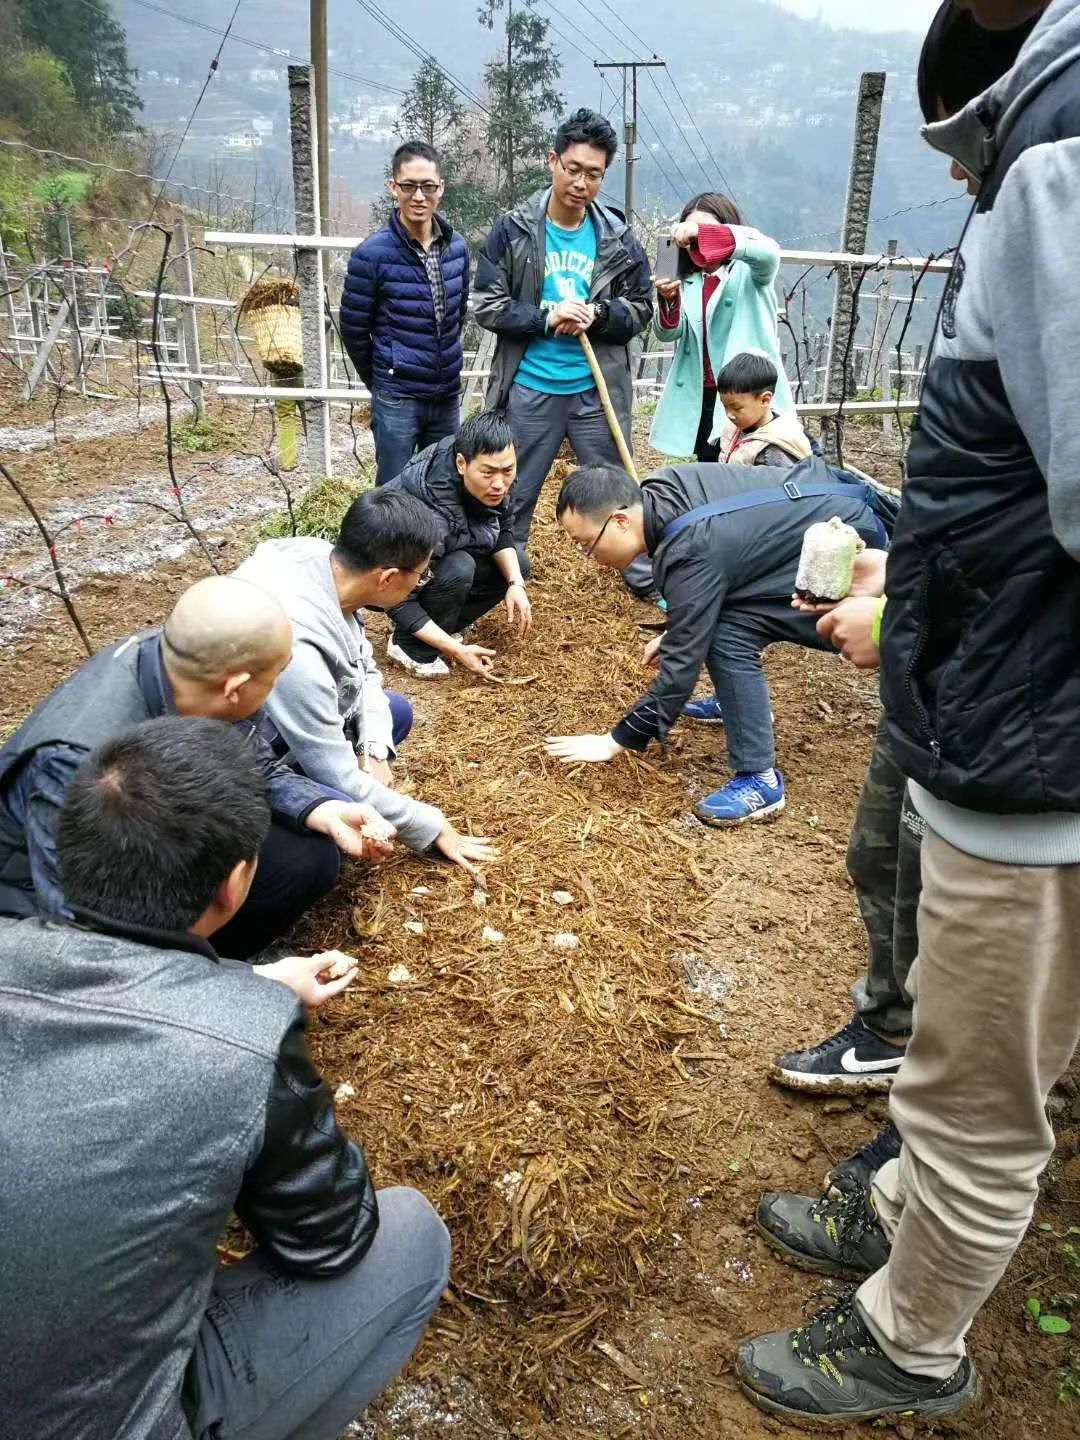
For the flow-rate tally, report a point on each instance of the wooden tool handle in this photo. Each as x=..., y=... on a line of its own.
x=609, y=409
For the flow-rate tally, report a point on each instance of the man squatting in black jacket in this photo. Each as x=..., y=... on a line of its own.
x=728, y=581
x=117, y=1323
x=466, y=481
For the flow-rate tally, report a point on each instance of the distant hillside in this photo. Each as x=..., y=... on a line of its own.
x=772, y=93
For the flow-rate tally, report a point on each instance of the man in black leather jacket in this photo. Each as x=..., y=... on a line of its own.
x=152, y=1089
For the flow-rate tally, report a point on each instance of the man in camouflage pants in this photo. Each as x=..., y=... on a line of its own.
x=865, y=1055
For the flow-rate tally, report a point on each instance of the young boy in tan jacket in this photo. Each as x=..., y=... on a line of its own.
x=756, y=434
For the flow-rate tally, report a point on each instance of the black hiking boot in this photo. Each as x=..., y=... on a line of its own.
x=854, y=1061
x=858, y=1170
x=833, y=1237
x=830, y=1373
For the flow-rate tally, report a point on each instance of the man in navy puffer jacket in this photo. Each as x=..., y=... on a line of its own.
x=402, y=310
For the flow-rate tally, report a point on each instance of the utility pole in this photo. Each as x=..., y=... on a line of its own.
x=856, y=223
x=322, y=108
x=509, y=103
x=630, y=118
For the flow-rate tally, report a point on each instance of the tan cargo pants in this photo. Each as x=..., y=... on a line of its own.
x=997, y=1019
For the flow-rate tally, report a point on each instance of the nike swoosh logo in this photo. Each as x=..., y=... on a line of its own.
x=855, y=1066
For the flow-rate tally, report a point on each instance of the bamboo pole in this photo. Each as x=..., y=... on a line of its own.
x=609, y=409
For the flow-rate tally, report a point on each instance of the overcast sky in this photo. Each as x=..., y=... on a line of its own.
x=896, y=15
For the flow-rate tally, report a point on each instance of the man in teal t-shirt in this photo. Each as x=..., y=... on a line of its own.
x=594, y=278
x=555, y=364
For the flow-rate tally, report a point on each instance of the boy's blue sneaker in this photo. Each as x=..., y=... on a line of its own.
x=705, y=712
x=743, y=798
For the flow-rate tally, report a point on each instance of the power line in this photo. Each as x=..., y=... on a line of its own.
x=664, y=176
x=644, y=117
x=404, y=38
x=671, y=114
x=646, y=120
x=195, y=108
x=274, y=50
x=880, y=219
x=693, y=121
x=663, y=98
x=630, y=30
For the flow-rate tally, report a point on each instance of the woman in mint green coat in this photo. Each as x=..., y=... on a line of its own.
x=722, y=304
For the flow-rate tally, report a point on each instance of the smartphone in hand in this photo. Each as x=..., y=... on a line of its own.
x=667, y=259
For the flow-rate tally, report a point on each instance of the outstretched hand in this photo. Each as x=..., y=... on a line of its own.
x=468, y=851
x=476, y=658
x=356, y=829
x=578, y=749
x=301, y=974
x=518, y=609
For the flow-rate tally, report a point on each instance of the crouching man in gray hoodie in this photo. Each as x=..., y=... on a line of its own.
x=335, y=721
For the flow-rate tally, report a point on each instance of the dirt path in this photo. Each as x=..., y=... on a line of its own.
x=755, y=931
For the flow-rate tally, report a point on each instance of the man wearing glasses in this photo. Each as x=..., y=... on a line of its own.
x=725, y=552
x=332, y=720
x=403, y=306
x=558, y=266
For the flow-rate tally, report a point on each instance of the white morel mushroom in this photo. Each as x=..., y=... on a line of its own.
x=337, y=963
x=565, y=940
x=827, y=562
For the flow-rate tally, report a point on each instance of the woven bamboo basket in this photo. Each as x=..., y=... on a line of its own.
x=272, y=309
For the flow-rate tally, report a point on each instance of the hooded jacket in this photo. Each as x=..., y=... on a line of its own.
x=782, y=432
x=510, y=278
x=980, y=666
x=150, y=1089
x=328, y=704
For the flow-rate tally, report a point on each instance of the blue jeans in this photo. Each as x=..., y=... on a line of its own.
x=734, y=665
x=402, y=426
x=401, y=718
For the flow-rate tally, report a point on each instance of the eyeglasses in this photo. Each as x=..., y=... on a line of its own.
x=429, y=188
x=578, y=172
x=587, y=550
x=422, y=576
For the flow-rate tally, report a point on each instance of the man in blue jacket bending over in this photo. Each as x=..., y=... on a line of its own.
x=403, y=306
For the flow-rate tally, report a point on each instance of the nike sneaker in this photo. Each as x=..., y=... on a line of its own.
x=831, y=1373
x=854, y=1061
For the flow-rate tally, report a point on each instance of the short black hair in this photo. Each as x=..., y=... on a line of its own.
x=414, y=150
x=596, y=491
x=386, y=530
x=485, y=433
x=747, y=374
x=157, y=818
x=586, y=127
x=960, y=59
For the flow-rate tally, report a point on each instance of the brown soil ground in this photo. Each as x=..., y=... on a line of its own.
x=596, y=1125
